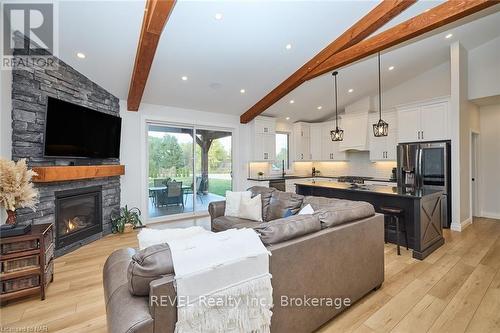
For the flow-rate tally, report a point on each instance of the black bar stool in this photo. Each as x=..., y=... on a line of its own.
x=394, y=214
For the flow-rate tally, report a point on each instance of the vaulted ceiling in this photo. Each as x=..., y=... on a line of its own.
x=246, y=49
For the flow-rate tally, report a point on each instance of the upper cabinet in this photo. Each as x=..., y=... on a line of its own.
x=312, y=142
x=263, y=139
x=426, y=121
x=302, y=141
x=330, y=149
x=384, y=148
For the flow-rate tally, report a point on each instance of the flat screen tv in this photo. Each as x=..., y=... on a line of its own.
x=75, y=131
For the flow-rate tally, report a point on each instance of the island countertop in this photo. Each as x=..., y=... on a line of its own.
x=375, y=189
x=422, y=210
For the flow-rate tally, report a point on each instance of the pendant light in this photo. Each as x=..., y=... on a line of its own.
x=337, y=134
x=381, y=128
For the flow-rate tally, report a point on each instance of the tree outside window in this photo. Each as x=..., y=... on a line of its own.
x=282, y=151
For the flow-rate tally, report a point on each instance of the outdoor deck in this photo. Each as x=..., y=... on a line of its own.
x=202, y=202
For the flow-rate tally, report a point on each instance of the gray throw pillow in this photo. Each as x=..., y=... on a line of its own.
x=148, y=265
x=284, y=229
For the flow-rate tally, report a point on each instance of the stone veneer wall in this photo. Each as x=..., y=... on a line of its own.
x=30, y=88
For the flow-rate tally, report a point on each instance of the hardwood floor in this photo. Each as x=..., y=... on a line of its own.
x=455, y=289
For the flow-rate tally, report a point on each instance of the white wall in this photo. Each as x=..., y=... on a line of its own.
x=489, y=161
x=484, y=70
x=430, y=84
x=133, y=145
x=5, y=114
x=5, y=121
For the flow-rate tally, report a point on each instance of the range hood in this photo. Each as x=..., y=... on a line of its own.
x=355, y=126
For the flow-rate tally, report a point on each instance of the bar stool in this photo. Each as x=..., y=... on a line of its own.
x=394, y=214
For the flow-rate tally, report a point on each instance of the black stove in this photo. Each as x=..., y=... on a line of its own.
x=353, y=179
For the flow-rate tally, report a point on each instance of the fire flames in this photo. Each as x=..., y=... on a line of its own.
x=72, y=224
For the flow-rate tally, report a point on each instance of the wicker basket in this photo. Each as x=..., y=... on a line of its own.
x=20, y=283
x=19, y=264
x=19, y=246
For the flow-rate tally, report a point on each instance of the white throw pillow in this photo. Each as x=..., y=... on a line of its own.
x=251, y=209
x=233, y=200
x=306, y=210
x=148, y=237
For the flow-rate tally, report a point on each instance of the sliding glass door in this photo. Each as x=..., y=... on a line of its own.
x=213, y=156
x=187, y=169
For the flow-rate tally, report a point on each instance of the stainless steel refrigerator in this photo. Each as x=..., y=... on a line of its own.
x=427, y=165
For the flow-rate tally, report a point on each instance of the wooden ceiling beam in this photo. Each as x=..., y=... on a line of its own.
x=367, y=25
x=156, y=14
x=439, y=16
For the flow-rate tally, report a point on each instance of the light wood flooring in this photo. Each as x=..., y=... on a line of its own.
x=456, y=289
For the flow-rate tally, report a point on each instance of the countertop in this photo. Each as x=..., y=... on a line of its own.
x=375, y=189
x=265, y=179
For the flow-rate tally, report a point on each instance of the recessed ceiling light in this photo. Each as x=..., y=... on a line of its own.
x=218, y=16
x=242, y=91
x=319, y=107
x=80, y=55
x=350, y=90
x=448, y=36
x=391, y=68
x=292, y=101
x=288, y=46
x=184, y=78
x=287, y=118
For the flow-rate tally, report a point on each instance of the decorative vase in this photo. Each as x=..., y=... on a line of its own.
x=11, y=217
x=128, y=227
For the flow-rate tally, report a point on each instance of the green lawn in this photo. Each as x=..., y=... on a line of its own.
x=219, y=186
x=215, y=186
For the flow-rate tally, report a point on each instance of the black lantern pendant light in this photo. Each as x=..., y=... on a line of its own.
x=381, y=128
x=337, y=134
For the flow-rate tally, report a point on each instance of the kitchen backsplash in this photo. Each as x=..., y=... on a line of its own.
x=358, y=164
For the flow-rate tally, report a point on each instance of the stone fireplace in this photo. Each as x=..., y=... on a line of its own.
x=78, y=215
x=31, y=87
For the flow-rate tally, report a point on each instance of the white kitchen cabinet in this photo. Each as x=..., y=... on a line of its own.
x=316, y=141
x=263, y=139
x=330, y=149
x=426, y=121
x=265, y=125
x=302, y=141
x=384, y=148
x=434, y=122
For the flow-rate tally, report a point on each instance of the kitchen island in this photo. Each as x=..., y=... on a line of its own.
x=423, y=211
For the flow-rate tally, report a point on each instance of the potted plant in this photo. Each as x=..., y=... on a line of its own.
x=127, y=220
x=16, y=189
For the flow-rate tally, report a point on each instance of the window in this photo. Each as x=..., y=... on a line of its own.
x=282, y=151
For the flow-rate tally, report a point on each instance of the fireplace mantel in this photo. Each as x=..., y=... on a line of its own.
x=47, y=174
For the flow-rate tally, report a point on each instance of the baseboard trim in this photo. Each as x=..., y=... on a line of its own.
x=462, y=225
x=490, y=215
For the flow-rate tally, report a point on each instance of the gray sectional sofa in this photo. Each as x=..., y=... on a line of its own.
x=335, y=254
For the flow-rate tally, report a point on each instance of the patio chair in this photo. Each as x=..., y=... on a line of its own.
x=172, y=195
x=159, y=182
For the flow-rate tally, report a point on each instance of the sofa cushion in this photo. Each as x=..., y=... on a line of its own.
x=332, y=212
x=223, y=223
x=265, y=195
x=284, y=229
x=281, y=202
x=147, y=265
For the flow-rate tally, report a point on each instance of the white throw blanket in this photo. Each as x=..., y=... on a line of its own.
x=223, y=283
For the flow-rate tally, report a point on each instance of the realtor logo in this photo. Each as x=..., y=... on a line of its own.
x=28, y=33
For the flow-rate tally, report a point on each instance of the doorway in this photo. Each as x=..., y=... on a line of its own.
x=188, y=168
x=474, y=175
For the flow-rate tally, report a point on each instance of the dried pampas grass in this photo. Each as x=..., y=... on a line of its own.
x=16, y=188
